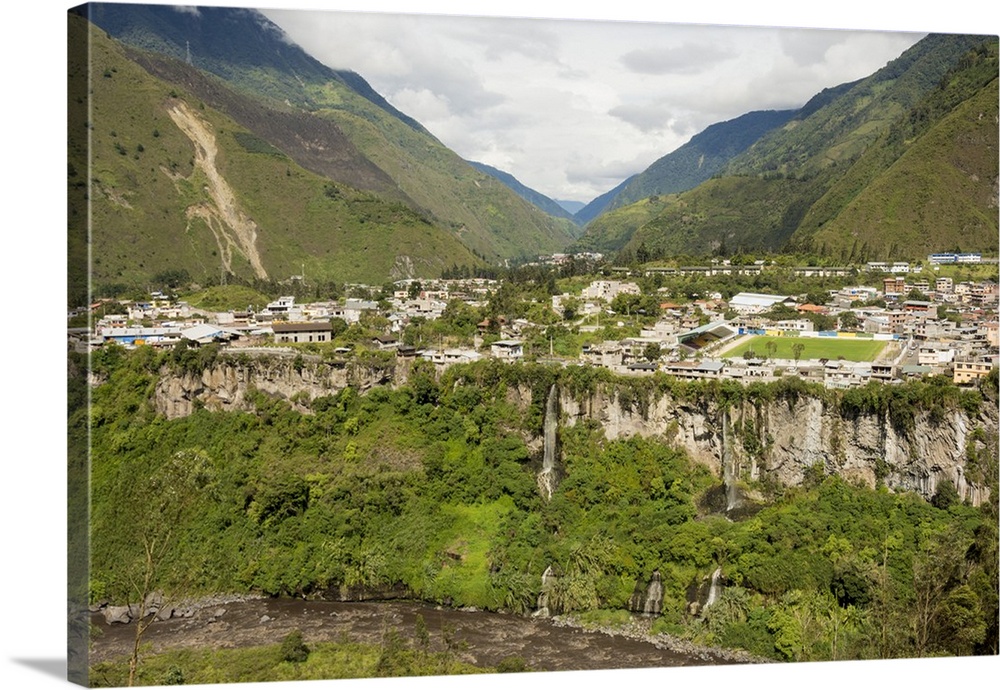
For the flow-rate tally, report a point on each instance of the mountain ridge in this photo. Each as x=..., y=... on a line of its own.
x=769, y=197
x=262, y=64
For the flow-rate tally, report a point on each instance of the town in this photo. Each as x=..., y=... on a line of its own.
x=902, y=321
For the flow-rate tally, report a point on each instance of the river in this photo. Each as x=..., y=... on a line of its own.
x=485, y=638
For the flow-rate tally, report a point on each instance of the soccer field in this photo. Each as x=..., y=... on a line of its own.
x=852, y=349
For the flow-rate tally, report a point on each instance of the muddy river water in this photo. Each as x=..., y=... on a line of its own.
x=484, y=638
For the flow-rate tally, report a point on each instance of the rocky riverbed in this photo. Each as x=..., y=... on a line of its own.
x=483, y=638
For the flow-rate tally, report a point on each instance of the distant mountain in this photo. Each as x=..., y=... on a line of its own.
x=570, y=207
x=850, y=175
x=553, y=208
x=236, y=65
x=600, y=204
x=697, y=160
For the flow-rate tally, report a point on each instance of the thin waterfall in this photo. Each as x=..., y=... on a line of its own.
x=547, y=477
x=542, y=606
x=713, y=589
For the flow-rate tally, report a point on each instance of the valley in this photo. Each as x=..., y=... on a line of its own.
x=344, y=403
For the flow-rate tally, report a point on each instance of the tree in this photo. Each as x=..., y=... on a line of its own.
x=945, y=496
x=157, y=506
x=651, y=352
x=797, y=349
x=849, y=321
x=772, y=347
x=939, y=570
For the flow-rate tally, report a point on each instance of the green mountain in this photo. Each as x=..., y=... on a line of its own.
x=550, y=206
x=325, y=174
x=899, y=164
x=696, y=161
x=176, y=185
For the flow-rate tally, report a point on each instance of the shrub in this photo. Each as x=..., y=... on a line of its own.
x=512, y=664
x=293, y=647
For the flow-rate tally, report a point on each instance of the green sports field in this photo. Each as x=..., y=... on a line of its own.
x=852, y=349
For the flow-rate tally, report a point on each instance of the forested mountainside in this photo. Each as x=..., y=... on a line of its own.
x=902, y=163
x=318, y=167
x=696, y=161
x=535, y=197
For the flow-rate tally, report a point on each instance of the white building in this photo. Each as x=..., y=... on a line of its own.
x=507, y=349
x=607, y=290
x=757, y=303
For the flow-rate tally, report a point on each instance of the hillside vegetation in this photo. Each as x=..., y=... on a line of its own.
x=696, y=161
x=900, y=164
x=216, y=199
x=431, y=486
x=334, y=124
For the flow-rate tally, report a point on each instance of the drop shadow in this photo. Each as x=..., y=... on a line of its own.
x=50, y=667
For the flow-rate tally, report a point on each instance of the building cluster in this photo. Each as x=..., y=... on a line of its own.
x=937, y=326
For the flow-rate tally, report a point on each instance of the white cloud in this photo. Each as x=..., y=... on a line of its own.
x=573, y=107
x=684, y=59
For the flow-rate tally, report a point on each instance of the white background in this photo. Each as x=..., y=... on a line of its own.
x=32, y=251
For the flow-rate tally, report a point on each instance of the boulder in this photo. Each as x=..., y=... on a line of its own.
x=118, y=614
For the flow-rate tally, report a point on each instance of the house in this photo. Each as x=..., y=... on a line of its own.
x=884, y=372
x=641, y=368
x=385, y=342
x=302, y=331
x=696, y=370
x=894, y=286
x=507, y=349
x=839, y=374
x=135, y=336
x=607, y=290
x=607, y=354
x=935, y=354
x=282, y=305
x=969, y=370
x=407, y=352
x=453, y=356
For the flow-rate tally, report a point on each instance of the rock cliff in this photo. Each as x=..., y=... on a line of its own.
x=782, y=441
x=778, y=442
x=225, y=386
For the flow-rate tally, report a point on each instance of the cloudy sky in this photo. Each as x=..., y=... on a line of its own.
x=572, y=107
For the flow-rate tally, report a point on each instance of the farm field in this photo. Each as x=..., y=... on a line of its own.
x=852, y=349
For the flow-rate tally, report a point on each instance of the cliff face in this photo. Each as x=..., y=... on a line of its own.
x=225, y=386
x=778, y=442
x=781, y=441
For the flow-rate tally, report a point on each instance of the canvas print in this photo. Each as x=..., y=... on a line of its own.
x=419, y=345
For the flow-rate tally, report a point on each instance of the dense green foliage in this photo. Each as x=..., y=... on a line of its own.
x=431, y=487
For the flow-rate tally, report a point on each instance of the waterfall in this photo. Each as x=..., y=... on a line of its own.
x=729, y=472
x=713, y=590
x=654, y=595
x=542, y=607
x=547, y=477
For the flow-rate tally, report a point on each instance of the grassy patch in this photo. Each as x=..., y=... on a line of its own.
x=851, y=349
x=326, y=660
